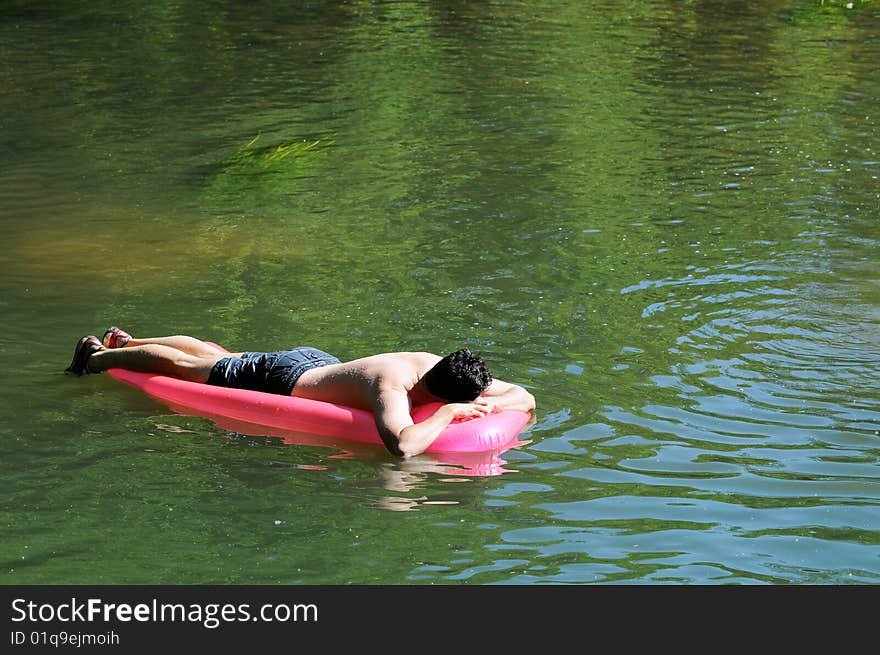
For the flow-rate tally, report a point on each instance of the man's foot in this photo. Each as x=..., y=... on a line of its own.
x=85, y=348
x=115, y=338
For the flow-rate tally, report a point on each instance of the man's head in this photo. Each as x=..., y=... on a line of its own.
x=459, y=377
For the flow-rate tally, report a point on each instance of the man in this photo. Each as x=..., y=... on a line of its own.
x=387, y=384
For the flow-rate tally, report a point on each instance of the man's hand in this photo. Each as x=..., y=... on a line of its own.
x=475, y=409
x=487, y=404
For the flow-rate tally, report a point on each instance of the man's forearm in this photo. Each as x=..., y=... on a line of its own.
x=415, y=438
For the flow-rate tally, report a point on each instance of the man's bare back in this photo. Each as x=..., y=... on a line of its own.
x=357, y=383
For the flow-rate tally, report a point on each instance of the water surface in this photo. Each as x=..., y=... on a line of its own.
x=661, y=218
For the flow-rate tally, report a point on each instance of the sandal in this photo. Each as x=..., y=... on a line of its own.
x=85, y=348
x=115, y=338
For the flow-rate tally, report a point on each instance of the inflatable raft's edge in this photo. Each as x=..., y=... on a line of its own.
x=488, y=433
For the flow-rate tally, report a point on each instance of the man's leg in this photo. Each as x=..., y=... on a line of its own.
x=158, y=358
x=117, y=338
x=189, y=345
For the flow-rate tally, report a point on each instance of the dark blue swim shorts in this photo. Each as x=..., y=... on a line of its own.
x=272, y=372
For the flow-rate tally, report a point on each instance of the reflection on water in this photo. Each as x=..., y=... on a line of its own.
x=404, y=476
x=660, y=219
x=479, y=464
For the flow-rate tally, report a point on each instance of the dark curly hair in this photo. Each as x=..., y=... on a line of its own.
x=459, y=377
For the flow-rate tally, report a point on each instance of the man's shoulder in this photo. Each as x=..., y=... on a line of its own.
x=405, y=360
x=401, y=369
x=392, y=358
x=420, y=355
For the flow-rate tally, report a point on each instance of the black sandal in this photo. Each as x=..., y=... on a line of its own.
x=85, y=348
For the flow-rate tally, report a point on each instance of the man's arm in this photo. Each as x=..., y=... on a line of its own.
x=403, y=437
x=503, y=395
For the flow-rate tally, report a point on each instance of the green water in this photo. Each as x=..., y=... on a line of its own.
x=662, y=218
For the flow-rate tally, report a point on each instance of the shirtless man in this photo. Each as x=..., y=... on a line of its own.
x=387, y=384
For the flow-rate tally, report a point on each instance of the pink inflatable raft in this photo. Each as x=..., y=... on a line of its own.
x=495, y=432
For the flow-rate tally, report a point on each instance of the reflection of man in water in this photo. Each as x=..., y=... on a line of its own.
x=387, y=384
x=407, y=475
